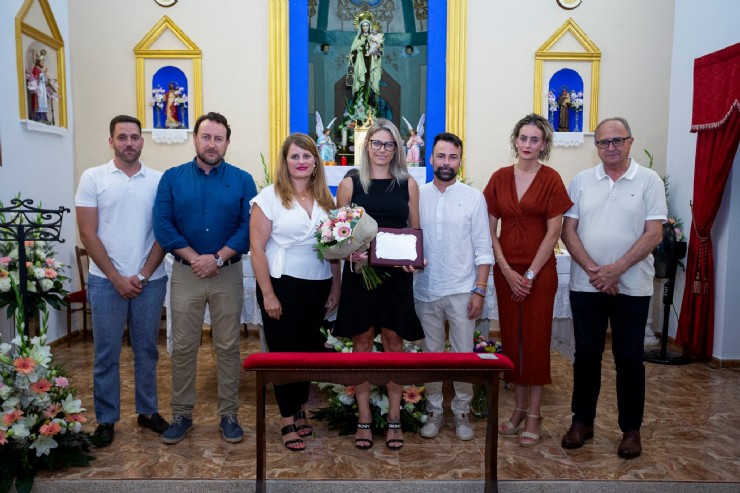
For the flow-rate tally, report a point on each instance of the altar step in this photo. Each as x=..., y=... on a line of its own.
x=362, y=486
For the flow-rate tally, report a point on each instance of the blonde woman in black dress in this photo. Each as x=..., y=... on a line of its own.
x=391, y=196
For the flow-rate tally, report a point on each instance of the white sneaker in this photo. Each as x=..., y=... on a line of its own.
x=463, y=430
x=432, y=426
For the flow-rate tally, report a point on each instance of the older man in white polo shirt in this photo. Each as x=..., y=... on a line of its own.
x=127, y=281
x=610, y=232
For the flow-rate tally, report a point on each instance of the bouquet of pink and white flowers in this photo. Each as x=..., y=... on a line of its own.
x=345, y=231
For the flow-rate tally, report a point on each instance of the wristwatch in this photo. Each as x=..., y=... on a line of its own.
x=529, y=275
x=219, y=260
x=143, y=280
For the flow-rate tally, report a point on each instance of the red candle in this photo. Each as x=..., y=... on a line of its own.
x=344, y=160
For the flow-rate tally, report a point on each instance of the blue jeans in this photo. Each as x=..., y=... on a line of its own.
x=110, y=312
x=592, y=313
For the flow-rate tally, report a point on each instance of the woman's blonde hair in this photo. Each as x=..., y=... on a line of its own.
x=317, y=183
x=540, y=122
x=398, y=169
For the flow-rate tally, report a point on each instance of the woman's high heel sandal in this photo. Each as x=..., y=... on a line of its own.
x=364, y=443
x=295, y=445
x=509, y=428
x=529, y=439
x=394, y=443
x=305, y=429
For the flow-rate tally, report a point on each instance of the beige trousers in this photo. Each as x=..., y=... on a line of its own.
x=224, y=295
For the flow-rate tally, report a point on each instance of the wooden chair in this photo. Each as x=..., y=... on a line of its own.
x=79, y=297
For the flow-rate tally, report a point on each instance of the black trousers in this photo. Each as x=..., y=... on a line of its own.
x=297, y=330
x=592, y=313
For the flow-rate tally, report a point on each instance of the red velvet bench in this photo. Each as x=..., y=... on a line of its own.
x=379, y=369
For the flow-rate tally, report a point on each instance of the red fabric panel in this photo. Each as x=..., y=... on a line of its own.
x=411, y=361
x=716, y=88
x=715, y=152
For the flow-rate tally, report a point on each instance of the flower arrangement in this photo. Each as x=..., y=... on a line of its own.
x=673, y=219
x=576, y=101
x=552, y=103
x=345, y=231
x=342, y=412
x=41, y=425
x=481, y=344
x=45, y=274
x=157, y=97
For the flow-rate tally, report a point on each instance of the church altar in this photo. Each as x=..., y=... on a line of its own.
x=562, y=324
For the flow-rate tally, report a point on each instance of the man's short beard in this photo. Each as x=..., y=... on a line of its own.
x=442, y=175
x=209, y=162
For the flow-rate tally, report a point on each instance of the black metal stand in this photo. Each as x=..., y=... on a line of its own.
x=18, y=225
x=663, y=356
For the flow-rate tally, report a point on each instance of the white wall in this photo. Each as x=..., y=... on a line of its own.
x=702, y=28
x=634, y=37
x=232, y=35
x=39, y=165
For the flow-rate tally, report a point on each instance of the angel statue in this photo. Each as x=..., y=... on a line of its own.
x=327, y=147
x=413, y=145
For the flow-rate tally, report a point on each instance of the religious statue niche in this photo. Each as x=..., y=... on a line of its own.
x=565, y=101
x=170, y=98
x=364, y=73
x=41, y=85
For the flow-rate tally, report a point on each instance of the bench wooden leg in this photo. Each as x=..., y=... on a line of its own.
x=491, y=465
x=261, y=434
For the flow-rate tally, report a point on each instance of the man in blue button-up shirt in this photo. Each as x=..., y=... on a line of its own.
x=201, y=216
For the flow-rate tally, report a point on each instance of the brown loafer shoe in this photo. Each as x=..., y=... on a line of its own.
x=577, y=435
x=630, y=446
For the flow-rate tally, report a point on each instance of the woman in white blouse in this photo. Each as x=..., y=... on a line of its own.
x=295, y=290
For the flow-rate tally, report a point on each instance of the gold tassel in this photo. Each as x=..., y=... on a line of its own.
x=697, y=283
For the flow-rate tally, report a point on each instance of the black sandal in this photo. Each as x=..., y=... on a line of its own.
x=303, y=430
x=290, y=444
x=368, y=441
x=394, y=443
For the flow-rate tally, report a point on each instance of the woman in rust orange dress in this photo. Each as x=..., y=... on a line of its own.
x=529, y=200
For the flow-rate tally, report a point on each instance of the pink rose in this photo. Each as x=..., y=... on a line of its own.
x=50, y=273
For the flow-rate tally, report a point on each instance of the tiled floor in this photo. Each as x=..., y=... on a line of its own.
x=691, y=432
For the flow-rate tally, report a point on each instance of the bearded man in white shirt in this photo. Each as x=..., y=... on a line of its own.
x=452, y=287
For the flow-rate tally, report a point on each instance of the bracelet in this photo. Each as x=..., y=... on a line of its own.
x=484, y=284
x=505, y=267
x=478, y=291
x=499, y=258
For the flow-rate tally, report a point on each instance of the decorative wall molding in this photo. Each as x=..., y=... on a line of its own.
x=590, y=53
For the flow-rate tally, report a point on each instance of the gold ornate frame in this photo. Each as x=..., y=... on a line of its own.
x=279, y=124
x=143, y=51
x=55, y=42
x=591, y=53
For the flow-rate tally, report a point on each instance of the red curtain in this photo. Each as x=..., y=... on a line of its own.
x=716, y=118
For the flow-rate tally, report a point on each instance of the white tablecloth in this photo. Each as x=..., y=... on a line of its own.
x=562, y=325
x=334, y=174
x=562, y=339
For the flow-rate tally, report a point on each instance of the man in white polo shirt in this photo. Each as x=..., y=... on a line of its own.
x=127, y=281
x=614, y=225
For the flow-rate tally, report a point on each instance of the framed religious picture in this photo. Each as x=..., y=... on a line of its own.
x=393, y=247
x=40, y=64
